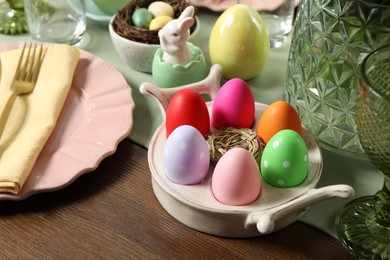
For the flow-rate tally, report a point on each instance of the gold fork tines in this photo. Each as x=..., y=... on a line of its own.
x=25, y=78
x=26, y=75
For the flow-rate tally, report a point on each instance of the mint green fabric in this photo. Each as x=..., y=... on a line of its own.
x=267, y=88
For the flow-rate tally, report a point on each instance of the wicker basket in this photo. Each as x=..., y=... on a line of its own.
x=123, y=26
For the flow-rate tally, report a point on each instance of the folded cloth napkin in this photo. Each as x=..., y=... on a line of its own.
x=33, y=115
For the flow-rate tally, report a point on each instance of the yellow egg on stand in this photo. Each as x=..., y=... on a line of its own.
x=239, y=42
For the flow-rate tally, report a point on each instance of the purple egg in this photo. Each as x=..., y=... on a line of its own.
x=186, y=156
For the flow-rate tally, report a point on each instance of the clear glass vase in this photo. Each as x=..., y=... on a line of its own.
x=330, y=40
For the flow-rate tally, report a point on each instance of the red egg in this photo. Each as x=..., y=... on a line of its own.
x=234, y=105
x=187, y=107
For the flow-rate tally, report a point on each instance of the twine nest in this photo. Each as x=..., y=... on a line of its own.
x=123, y=25
x=221, y=141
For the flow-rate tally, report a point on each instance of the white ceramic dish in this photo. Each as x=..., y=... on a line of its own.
x=97, y=115
x=195, y=206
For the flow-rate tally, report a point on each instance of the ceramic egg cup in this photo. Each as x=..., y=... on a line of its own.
x=195, y=205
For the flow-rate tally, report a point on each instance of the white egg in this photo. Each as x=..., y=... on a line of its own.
x=160, y=8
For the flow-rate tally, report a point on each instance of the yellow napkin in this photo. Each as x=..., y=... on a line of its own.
x=33, y=115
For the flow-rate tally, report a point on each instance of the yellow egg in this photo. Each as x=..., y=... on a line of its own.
x=159, y=22
x=239, y=42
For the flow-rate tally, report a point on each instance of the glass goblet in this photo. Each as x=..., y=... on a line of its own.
x=363, y=225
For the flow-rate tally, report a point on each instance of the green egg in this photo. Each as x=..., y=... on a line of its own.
x=141, y=17
x=285, y=160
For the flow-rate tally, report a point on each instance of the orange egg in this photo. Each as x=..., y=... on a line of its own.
x=278, y=116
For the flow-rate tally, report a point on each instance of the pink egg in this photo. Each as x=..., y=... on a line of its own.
x=236, y=179
x=234, y=105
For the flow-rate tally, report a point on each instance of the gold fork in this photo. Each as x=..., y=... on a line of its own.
x=24, y=80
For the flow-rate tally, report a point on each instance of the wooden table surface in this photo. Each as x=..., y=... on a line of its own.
x=113, y=213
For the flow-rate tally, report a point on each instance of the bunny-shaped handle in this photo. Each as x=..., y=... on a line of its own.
x=210, y=85
x=174, y=35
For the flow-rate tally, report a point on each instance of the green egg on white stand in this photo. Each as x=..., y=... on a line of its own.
x=285, y=162
x=178, y=62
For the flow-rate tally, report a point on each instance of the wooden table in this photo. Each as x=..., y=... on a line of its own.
x=112, y=213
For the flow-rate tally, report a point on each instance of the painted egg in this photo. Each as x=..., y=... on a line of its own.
x=186, y=156
x=187, y=107
x=278, y=116
x=141, y=17
x=159, y=22
x=239, y=42
x=236, y=179
x=234, y=105
x=160, y=8
x=285, y=160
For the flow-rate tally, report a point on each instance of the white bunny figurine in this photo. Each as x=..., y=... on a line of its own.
x=173, y=38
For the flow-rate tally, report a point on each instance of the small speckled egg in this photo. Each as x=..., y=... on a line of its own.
x=141, y=17
x=285, y=160
x=234, y=105
x=278, y=116
x=186, y=156
x=236, y=178
x=159, y=22
x=160, y=8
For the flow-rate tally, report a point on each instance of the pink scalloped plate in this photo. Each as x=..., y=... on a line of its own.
x=97, y=115
x=221, y=5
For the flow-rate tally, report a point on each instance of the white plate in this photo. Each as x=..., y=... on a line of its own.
x=97, y=115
